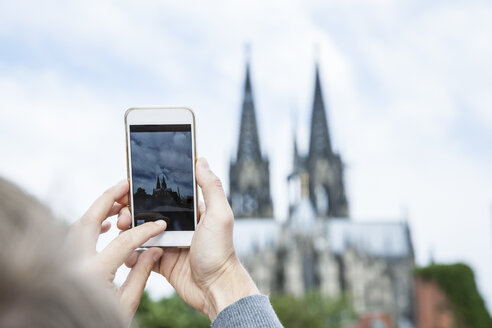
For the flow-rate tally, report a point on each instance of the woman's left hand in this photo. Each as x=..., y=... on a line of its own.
x=84, y=234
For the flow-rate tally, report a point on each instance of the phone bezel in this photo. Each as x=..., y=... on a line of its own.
x=163, y=115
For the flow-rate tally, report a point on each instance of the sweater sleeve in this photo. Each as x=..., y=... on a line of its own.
x=251, y=311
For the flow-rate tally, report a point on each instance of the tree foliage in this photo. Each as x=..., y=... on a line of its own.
x=170, y=312
x=312, y=310
x=458, y=283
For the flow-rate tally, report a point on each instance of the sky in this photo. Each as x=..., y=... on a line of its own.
x=406, y=84
x=162, y=154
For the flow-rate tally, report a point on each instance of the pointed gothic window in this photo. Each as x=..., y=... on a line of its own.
x=250, y=203
x=322, y=201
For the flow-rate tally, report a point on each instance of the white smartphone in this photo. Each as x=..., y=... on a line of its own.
x=161, y=169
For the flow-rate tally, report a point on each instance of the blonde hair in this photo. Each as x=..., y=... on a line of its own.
x=38, y=285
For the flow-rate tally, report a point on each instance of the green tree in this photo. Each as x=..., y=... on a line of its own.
x=312, y=310
x=170, y=312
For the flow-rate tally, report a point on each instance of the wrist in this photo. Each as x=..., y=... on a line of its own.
x=233, y=284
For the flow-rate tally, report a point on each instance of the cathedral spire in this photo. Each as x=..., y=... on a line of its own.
x=164, y=185
x=296, y=157
x=320, y=143
x=158, y=184
x=249, y=175
x=296, y=152
x=326, y=183
x=249, y=145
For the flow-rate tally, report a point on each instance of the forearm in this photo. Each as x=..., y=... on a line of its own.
x=233, y=284
x=251, y=311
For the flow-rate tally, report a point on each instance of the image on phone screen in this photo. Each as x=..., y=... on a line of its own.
x=162, y=175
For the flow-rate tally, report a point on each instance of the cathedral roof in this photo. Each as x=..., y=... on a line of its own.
x=383, y=239
x=380, y=239
x=254, y=234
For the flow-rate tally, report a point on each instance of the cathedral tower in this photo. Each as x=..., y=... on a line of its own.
x=249, y=175
x=325, y=167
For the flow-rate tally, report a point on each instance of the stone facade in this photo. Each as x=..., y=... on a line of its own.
x=296, y=261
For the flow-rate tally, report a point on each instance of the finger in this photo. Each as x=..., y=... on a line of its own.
x=213, y=192
x=201, y=208
x=106, y=225
x=133, y=287
x=84, y=232
x=156, y=267
x=89, y=226
x=201, y=211
x=132, y=259
x=101, y=207
x=115, y=209
x=124, y=200
x=169, y=260
x=122, y=246
x=124, y=219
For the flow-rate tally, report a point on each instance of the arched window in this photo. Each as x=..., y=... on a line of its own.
x=322, y=200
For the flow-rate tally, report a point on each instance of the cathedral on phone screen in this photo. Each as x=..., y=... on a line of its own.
x=162, y=175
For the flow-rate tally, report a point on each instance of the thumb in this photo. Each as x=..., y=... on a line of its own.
x=212, y=190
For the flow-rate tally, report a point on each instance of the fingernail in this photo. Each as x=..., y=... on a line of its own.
x=204, y=163
x=160, y=222
x=122, y=183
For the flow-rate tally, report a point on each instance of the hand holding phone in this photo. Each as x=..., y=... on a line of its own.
x=83, y=236
x=208, y=276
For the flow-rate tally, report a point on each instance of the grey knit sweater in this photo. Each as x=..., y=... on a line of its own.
x=251, y=311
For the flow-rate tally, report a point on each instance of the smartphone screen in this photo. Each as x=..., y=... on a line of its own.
x=162, y=175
